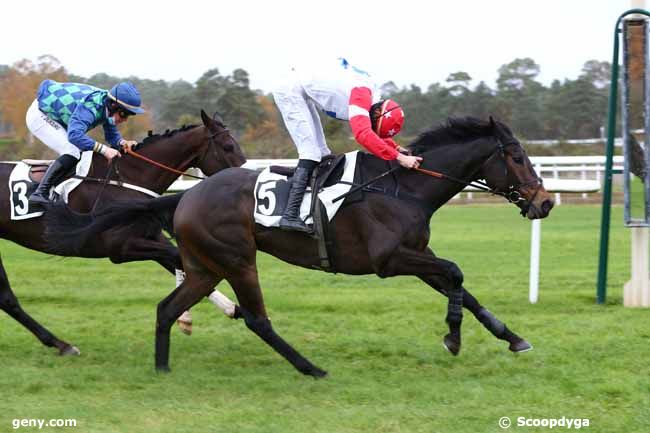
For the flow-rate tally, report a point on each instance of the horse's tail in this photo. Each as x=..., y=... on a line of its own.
x=67, y=231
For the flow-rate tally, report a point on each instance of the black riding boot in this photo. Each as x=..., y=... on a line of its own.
x=55, y=172
x=291, y=218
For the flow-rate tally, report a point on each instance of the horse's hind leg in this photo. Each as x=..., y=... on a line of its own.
x=9, y=304
x=247, y=288
x=161, y=250
x=489, y=321
x=192, y=290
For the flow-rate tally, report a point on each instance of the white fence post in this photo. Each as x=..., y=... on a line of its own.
x=636, y=292
x=535, y=246
x=558, y=198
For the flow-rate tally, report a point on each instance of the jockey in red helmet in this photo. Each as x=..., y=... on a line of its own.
x=343, y=92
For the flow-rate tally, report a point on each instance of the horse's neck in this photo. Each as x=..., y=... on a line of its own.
x=462, y=161
x=174, y=152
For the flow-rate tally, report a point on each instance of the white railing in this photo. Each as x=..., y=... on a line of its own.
x=586, y=166
x=553, y=169
x=618, y=142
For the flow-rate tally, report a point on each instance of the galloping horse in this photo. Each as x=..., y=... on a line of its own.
x=386, y=234
x=209, y=147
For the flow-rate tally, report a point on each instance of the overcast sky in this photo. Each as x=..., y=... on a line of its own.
x=406, y=41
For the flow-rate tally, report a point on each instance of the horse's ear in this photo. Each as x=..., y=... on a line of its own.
x=492, y=123
x=205, y=118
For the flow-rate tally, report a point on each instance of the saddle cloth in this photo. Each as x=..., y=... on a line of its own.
x=272, y=193
x=21, y=186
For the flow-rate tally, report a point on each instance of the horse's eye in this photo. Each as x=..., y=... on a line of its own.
x=518, y=159
x=228, y=147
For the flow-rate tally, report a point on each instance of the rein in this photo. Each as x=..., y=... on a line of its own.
x=105, y=181
x=133, y=153
x=512, y=194
x=159, y=165
x=476, y=183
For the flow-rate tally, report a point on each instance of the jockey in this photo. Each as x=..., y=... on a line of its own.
x=346, y=93
x=63, y=113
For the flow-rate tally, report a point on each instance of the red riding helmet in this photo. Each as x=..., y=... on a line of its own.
x=390, y=119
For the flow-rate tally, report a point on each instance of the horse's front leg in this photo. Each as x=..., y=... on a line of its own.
x=483, y=315
x=423, y=264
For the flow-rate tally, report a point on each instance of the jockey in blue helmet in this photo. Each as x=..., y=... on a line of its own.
x=63, y=113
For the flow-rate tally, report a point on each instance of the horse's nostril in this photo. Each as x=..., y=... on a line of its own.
x=547, y=205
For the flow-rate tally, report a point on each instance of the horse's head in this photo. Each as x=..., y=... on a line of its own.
x=219, y=150
x=509, y=172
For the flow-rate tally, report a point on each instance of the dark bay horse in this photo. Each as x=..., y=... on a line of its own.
x=381, y=234
x=209, y=147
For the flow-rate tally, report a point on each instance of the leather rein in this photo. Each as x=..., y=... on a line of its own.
x=133, y=153
x=173, y=170
x=511, y=193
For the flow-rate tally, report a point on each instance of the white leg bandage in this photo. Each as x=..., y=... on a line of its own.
x=216, y=297
x=186, y=317
x=180, y=277
x=223, y=303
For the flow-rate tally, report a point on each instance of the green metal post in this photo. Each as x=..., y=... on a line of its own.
x=601, y=293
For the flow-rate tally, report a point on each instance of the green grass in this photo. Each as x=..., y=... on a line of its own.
x=380, y=340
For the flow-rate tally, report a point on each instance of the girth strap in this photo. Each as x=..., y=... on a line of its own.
x=122, y=184
x=321, y=224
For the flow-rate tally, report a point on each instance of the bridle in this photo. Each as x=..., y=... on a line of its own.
x=198, y=161
x=114, y=166
x=510, y=193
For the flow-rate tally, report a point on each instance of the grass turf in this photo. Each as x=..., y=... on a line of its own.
x=380, y=341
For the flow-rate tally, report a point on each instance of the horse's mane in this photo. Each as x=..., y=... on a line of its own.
x=151, y=137
x=455, y=130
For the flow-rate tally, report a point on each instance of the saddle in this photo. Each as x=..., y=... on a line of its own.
x=38, y=167
x=328, y=172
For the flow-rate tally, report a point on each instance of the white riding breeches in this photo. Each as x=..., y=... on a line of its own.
x=50, y=132
x=300, y=115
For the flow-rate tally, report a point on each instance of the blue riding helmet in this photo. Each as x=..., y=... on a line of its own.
x=127, y=96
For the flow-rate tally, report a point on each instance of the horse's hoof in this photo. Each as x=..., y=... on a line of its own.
x=163, y=369
x=520, y=346
x=69, y=350
x=317, y=373
x=309, y=369
x=451, y=344
x=186, y=327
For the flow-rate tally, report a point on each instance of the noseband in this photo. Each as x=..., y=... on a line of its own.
x=511, y=193
x=211, y=138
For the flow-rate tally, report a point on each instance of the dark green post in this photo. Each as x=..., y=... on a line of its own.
x=601, y=293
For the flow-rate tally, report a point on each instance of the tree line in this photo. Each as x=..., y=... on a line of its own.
x=565, y=109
